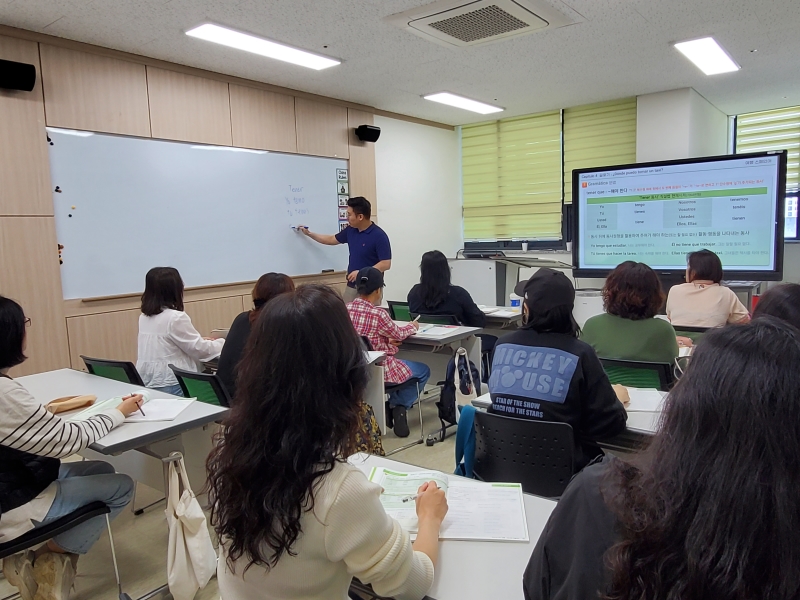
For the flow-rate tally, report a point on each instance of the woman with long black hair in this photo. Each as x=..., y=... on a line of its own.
x=294, y=519
x=710, y=509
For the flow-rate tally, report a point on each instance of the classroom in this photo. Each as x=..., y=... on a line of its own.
x=508, y=290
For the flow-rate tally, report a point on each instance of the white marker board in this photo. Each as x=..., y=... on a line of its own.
x=217, y=214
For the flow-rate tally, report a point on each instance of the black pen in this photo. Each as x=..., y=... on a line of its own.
x=139, y=406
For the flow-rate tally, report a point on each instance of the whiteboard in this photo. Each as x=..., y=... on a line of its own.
x=217, y=214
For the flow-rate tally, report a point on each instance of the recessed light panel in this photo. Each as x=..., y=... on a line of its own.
x=708, y=56
x=465, y=103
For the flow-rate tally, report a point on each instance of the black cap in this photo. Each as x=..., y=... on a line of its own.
x=368, y=280
x=545, y=290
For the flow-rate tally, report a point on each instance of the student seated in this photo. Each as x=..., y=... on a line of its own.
x=376, y=325
x=35, y=487
x=709, y=509
x=294, y=519
x=434, y=295
x=702, y=301
x=543, y=372
x=166, y=333
x=266, y=288
x=628, y=330
x=782, y=302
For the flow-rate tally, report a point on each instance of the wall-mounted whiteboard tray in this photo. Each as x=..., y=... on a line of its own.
x=217, y=214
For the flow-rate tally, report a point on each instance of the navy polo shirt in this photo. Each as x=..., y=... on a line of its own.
x=367, y=248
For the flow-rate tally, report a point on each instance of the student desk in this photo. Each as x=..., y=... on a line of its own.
x=433, y=344
x=501, y=317
x=641, y=427
x=473, y=570
x=374, y=395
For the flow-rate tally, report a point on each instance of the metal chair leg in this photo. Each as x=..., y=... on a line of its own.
x=122, y=595
x=421, y=439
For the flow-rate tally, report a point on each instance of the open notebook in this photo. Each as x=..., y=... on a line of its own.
x=477, y=510
x=154, y=409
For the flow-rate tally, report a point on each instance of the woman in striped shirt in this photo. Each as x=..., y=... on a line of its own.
x=35, y=487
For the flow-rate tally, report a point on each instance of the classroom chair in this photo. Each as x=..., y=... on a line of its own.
x=206, y=387
x=118, y=370
x=436, y=319
x=388, y=388
x=537, y=454
x=639, y=374
x=399, y=310
x=693, y=333
x=37, y=536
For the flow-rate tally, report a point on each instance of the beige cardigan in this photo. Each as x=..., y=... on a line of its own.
x=347, y=535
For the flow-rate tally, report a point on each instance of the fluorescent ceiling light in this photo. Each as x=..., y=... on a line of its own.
x=461, y=102
x=708, y=56
x=70, y=132
x=256, y=45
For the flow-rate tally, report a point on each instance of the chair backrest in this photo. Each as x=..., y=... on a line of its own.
x=399, y=311
x=367, y=343
x=639, y=374
x=537, y=454
x=118, y=370
x=693, y=333
x=436, y=319
x=206, y=387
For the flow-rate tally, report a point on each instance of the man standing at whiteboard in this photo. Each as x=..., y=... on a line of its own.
x=368, y=243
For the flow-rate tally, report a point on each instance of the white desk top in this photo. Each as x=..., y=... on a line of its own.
x=455, y=333
x=472, y=570
x=502, y=313
x=66, y=382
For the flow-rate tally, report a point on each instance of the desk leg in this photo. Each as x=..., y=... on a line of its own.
x=374, y=396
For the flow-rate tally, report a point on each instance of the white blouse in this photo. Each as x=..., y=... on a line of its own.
x=170, y=338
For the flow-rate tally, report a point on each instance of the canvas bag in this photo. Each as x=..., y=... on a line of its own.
x=191, y=559
x=464, y=399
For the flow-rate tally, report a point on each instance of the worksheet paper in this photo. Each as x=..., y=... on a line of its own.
x=644, y=400
x=160, y=409
x=477, y=510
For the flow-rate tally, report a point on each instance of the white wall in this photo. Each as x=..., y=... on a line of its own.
x=418, y=174
x=708, y=128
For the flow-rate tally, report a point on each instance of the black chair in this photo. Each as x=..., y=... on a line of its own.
x=118, y=370
x=206, y=387
x=399, y=310
x=537, y=454
x=37, y=536
x=639, y=374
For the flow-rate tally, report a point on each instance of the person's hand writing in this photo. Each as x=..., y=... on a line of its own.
x=351, y=276
x=431, y=503
x=304, y=230
x=683, y=341
x=130, y=404
x=415, y=324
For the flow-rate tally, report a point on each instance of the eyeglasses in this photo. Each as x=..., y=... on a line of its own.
x=27, y=321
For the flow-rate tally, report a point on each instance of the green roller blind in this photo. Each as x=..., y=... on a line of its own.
x=598, y=135
x=772, y=130
x=511, y=172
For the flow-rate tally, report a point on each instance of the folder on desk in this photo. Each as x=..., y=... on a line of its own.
x=477, y=510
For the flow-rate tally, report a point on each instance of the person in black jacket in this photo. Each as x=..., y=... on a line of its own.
x=266, y=288
x=544, y=372
x=434, y=295
x=710, y=509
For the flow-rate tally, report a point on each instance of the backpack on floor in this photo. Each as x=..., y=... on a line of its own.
x=469, y=386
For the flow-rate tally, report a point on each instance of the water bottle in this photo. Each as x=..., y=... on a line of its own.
x=514, y=301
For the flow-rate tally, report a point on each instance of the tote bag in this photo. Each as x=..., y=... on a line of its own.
x=463, y=399
x=191, y=559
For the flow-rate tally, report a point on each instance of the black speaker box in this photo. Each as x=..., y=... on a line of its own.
x=368, y=133
x=17, y=76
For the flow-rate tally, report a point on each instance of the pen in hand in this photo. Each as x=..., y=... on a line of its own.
x=410, y=498
x=139, y=406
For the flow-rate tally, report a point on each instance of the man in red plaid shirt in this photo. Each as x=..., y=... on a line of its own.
x=377, y=326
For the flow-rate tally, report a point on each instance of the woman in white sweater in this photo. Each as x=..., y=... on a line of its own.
x=294, y=519
x=166, y=333
x=35, y=487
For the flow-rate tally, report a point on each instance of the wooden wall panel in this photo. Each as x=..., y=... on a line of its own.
x=213, y=314
x=86, y=91
x=188, y=108
x=262, y=120
x=362, y=160
x=106, y=335
x=321, y=129
x=29, y=274
x=24, y=164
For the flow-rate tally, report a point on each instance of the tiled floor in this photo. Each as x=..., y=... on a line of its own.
x=141, y=541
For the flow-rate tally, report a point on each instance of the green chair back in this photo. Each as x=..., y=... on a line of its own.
x=399, y=311
x=202, y=390
x=206, y=387
x=118, y=370
x=116, y=373
x=693, y=333
x=437, y=319
x=639, y=374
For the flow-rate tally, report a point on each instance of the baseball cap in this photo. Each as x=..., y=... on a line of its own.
x=545, y=290
x=368, y=280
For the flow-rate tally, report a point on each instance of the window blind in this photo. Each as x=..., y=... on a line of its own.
x=598, y=135
x=772, y=130
x=511, y=177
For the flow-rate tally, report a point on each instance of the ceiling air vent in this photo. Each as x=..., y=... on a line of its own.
x=460, y=23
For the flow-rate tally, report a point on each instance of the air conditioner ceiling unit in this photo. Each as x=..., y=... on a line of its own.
x=460, y=23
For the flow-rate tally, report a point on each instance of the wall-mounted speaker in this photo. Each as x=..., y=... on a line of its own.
x=368, y=133
x=17, y=76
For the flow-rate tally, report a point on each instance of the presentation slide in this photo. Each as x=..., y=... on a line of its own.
x=658, y=214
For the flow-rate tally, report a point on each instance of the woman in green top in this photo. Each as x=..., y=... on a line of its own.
x=628, y=330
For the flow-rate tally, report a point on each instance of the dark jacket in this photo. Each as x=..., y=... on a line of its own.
x=556, y=377
x=458, y=303
x=232, y=351
x=567, y=563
